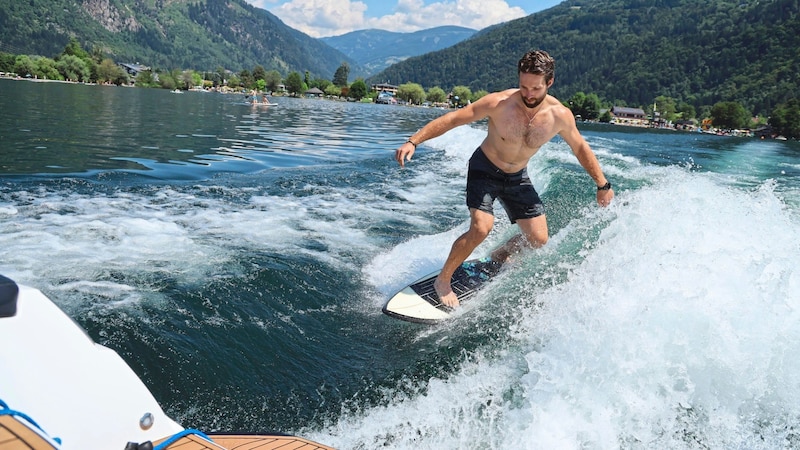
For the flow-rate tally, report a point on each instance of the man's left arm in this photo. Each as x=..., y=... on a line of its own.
x=588, y=160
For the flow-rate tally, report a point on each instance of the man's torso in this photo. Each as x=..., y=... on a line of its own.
x=515, y=134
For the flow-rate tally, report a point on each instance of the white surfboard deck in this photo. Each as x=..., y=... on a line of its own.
x=419, y=303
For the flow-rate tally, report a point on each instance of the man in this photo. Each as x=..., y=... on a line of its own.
x=520, y=122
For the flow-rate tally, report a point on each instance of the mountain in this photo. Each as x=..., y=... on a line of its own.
x=626, y=51
x=631, y=51
x=376, y=50
x=167, y=34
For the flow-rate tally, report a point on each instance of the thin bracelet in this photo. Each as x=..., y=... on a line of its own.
x=412, y=143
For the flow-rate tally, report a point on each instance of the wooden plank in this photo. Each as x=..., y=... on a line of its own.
x=16, y=435
x=244, y=442
x=262, y=442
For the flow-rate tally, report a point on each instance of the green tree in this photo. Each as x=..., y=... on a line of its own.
x=7, y=62
x=170, y=80
x=74, y=48
x=461, y=94
x=785, y=119
x=341, y=75
x=246, y=79
x=477, y=95
x=666, y=107
x=294, y=83
x=197, y=79
x=233, y=81
x=46, y=68
x=591, y=108
x=334, y=90
x=108, y=71
x=145, y=79
x=273, y=79
x=320, y=83
x=358, y=89
x=436, y=95
x=73, y=68
x=222, y=76
x=24, y=66
x=97, y=55
x=585, y=106
x=686, y=111
x=411, y=92
x=729, y=115
x=186, y=79
x=259, y=73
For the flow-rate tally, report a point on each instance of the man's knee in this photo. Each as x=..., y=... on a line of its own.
x=481, y=224
x=479, y=230
x=535, y=232
x=537, y=240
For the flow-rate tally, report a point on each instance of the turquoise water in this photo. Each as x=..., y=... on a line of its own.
x=237, y=258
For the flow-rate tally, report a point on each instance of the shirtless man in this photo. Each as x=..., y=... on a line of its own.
x=520, y=122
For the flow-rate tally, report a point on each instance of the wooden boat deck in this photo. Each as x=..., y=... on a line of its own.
x=16, y=435
x=244, y=442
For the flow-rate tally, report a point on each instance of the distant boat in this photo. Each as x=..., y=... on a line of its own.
x=177, y=91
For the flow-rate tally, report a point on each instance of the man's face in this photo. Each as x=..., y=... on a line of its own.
x=533, y=89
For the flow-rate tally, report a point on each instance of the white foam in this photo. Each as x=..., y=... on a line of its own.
x=54, y=239
x=679, y=328
x=680, y=311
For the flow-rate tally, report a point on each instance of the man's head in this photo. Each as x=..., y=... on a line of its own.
x=537, y=62
x=536, y=70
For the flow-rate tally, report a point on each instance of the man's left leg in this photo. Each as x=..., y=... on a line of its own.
x=533, y=234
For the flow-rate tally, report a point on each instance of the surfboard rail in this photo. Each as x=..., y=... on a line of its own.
x=419, y=303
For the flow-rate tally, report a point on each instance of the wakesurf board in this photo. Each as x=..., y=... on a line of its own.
x=419, y=303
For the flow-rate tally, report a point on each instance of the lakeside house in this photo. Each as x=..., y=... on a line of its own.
x=629, y=116
x=386, y=98
x=386, y=93
x=314, y=92
x=385, y=87
x=134, y=69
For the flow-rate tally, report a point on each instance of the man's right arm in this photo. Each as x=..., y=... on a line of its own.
x=443, y=124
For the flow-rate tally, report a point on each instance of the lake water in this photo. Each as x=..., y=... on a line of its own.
x=237, y=257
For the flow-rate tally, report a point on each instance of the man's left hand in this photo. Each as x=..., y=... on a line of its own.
x=604, y=197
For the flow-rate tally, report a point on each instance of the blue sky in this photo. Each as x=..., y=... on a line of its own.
x=320, y=18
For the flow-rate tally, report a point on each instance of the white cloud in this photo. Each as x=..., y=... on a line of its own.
x=322, y=17
x=413, y=15
x=319, y=18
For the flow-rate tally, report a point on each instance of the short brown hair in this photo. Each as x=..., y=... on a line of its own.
x=537, y=62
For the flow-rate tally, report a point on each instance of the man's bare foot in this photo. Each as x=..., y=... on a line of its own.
x=445, y=293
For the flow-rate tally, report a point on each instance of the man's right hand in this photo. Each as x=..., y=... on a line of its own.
x=404, y=153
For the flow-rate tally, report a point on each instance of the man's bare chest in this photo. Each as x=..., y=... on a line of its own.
x=517, y=130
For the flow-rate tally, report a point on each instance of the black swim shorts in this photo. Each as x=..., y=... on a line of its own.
x=485, y=183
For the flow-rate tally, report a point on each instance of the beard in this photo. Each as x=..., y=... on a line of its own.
x=530, y=105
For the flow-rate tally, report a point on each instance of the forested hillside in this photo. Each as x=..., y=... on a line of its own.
x=631, y=51
x=376, y=50
x=166, y=34
x=628, y=52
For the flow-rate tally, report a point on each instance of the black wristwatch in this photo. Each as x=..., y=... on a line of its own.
x=605, y=187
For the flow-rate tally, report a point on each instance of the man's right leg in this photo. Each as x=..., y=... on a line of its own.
x=480, y=225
